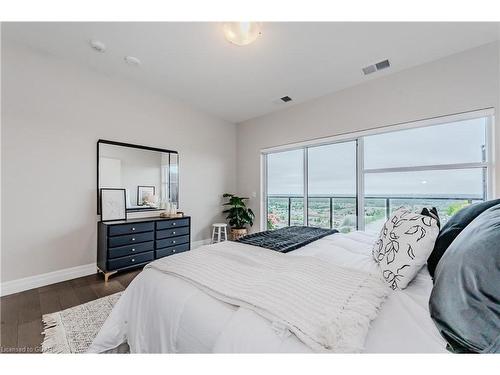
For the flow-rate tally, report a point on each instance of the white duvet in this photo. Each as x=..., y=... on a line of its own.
x=161, y=313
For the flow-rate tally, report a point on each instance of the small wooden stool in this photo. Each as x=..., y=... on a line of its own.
x=218, y=230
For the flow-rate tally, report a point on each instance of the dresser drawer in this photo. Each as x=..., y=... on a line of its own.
x=171, y=250
x=173, y=241
x=121, y=251
x=130, y=239
x=167, y=224
x=113, y=264
x=118, y=230
x=172, y=232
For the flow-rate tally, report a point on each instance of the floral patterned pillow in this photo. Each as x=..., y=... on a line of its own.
x=403, y=246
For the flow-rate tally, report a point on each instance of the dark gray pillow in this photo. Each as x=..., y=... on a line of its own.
x=465, y=300
x=453, y=228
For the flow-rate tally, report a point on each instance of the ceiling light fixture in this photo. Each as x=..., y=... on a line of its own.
x=242, y=33
x=131, y=60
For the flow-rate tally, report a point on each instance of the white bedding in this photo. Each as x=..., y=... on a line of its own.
x=162, y=313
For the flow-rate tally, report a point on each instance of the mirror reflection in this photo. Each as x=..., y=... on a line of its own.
x=150, y=177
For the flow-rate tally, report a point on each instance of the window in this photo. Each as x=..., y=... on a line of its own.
x=285, y=189
x=451, y=143
x=357, y=182
x=447, y=190
x=441, y=166
x=331, y=199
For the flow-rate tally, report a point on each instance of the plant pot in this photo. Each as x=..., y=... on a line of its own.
x=238, y=233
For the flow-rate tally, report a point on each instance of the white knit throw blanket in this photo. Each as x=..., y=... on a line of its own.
x=327, y=307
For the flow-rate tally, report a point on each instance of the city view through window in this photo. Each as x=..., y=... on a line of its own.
x=442, y=166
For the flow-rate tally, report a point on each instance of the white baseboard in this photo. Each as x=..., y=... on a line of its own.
x=26, y=283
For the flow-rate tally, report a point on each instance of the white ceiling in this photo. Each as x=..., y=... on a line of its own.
x=193, y=62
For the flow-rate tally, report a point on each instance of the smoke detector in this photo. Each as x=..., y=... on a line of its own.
x=376, y=67
x=97, y=45
x=131, y=60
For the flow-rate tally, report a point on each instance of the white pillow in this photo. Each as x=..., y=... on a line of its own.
x=403, y=246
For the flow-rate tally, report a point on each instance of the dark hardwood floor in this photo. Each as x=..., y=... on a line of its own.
x=21, y=313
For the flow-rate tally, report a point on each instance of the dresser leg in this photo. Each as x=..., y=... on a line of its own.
x=106, y=274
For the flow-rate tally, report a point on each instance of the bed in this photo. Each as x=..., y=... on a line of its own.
x=162, y=313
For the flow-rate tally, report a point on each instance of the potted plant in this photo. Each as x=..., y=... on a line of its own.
x=238, y=215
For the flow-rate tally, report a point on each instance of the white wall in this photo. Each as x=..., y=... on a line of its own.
x=53, y=114
x=462, y=82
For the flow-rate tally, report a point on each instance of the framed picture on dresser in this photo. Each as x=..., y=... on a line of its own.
x=143, y=192
x=112, y=204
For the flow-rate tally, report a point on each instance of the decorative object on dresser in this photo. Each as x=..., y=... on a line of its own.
x=145, y=195
x=238, y=215
x=112, y=204
x=133, y=243
x=171, y=210
x=172, y=215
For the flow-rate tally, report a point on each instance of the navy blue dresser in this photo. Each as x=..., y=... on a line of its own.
x=133, y=243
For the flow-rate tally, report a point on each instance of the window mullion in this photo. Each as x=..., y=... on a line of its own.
x=306, y=187
x=436, y=167
x=490, y=177
x=264, y=203
x=360, y=184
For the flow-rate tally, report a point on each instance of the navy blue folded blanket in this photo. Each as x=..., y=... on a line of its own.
x=286, y=239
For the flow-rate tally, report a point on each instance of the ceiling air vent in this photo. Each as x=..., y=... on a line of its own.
x=283, y=100
x=376, y=67
x=382, y=64
x=369, y=69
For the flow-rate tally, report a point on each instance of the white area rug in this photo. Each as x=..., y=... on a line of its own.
x=72, y=330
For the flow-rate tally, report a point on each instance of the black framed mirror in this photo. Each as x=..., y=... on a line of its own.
x=149, y=175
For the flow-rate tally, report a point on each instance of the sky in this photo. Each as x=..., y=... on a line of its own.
x=332, y=168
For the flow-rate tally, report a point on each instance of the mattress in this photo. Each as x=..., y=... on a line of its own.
x=164, y=314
